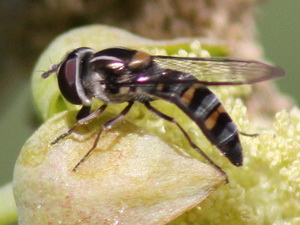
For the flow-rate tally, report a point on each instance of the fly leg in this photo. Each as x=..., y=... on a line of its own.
x=248, y=135
x=84, y=116
x=104, y=127
x=172, y=120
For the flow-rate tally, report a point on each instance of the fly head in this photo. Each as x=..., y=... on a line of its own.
x=70, y=73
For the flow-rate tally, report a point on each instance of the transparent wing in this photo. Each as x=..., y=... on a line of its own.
x=220, y=71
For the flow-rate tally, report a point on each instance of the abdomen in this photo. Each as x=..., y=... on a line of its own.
x=204, y=108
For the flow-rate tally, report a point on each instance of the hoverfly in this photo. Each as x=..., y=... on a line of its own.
x=117, y=75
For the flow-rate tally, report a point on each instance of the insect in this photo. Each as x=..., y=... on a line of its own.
x=117, y=75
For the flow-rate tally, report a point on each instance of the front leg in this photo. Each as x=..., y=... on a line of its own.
x=105, y=127
x=85, y=117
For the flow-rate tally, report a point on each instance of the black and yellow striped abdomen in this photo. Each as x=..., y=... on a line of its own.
x=205, y=109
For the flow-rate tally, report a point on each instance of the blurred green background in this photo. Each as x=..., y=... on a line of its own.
x=279, y=33
x=279, y=28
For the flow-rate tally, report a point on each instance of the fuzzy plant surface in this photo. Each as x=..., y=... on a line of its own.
x=134, y=177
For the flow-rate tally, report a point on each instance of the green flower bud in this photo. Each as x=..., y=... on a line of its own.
x=132, y=177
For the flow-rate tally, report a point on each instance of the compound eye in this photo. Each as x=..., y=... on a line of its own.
x=67, y=79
